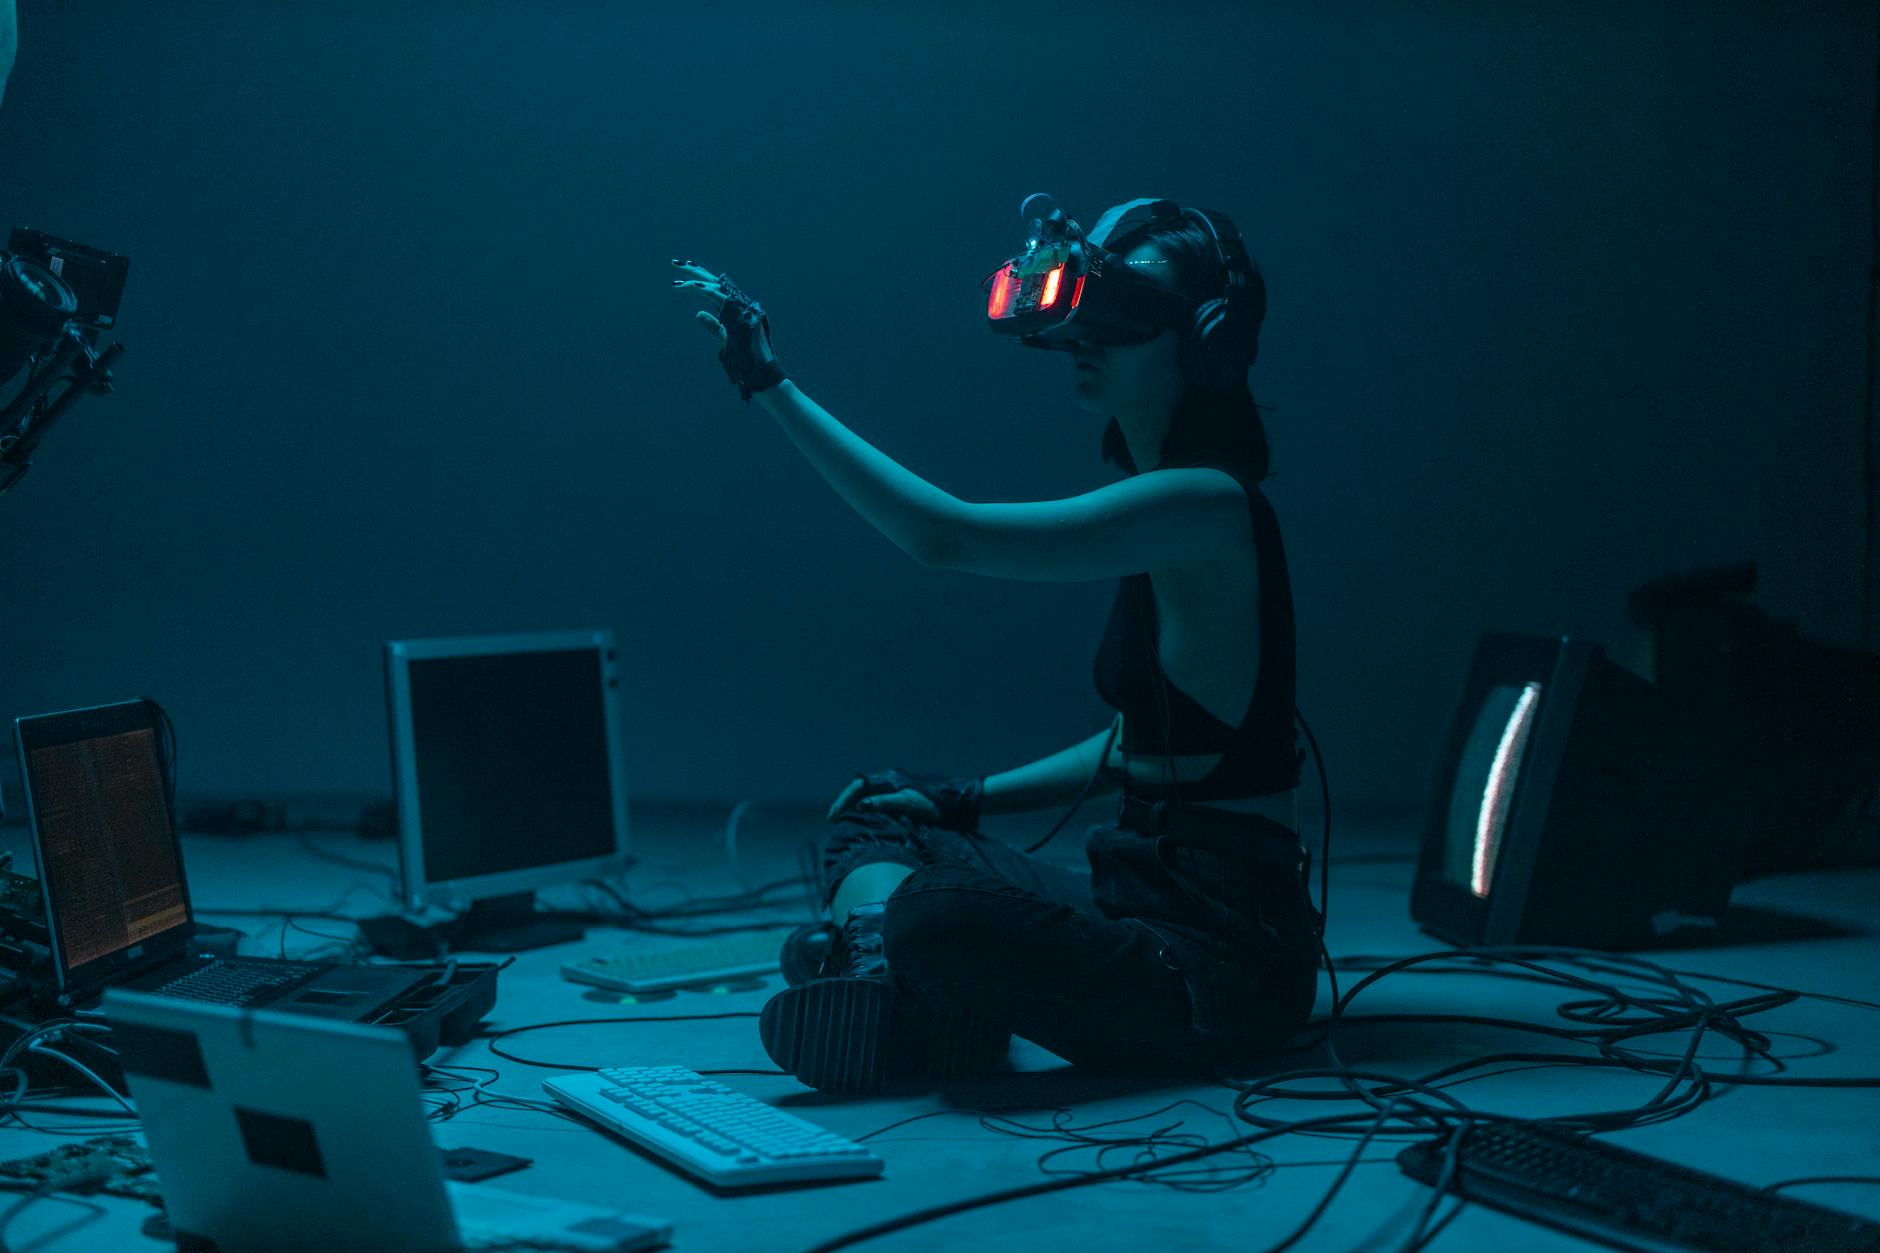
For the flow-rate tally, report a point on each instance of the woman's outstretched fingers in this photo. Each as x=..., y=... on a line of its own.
x=842, y=800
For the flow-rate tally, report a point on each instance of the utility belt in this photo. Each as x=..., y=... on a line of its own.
x=1252, y=836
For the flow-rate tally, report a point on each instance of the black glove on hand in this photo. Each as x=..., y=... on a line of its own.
x=746, y=356
x=955, y=802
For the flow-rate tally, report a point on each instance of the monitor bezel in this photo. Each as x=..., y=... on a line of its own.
x=73, y=726
x=1451, y=910
x=419, y=892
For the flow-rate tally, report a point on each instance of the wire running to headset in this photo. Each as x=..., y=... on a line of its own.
x=1067, y=287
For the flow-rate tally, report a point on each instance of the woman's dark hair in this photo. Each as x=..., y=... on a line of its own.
x=1208, y=425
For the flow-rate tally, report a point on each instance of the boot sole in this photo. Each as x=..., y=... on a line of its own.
x=862, y=1036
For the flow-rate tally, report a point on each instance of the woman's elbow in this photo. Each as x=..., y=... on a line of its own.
x=936, y=551
x=953, y=536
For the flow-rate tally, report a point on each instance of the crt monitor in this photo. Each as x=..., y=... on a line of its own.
x=1575, y=805
x=506, y=770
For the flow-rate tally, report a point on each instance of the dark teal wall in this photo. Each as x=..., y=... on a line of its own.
x=1562, y=297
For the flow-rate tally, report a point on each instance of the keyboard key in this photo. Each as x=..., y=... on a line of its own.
x=1630, y=1199
x=709, y=1130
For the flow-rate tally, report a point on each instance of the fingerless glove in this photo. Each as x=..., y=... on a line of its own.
x=746, y=355
x=957, y=799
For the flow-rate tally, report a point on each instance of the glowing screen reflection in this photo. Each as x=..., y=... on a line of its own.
x=1483, y=789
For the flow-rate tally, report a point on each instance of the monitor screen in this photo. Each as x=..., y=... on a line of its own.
x=1495, y=786
x=505, y=758
x=1487, y=769
x=113, y=874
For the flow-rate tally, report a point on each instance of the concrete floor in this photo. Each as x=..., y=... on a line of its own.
x=1814, y=932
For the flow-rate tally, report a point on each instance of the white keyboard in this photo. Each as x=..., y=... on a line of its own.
x=710, y=1131
x=674, y=962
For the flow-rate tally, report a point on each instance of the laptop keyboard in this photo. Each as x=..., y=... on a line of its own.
x=228, y=983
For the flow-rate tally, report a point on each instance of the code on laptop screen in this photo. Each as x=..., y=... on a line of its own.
x=112, y=869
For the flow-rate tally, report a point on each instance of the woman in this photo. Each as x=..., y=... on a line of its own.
x=1193, y=944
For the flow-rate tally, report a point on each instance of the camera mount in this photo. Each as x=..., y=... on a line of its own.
x=56, y=298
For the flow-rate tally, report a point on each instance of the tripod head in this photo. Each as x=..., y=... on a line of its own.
x=57, y=298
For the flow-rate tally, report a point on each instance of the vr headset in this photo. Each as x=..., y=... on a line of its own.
x=1067, y=287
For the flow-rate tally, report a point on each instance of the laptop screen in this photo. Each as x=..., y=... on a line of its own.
x=109, y=862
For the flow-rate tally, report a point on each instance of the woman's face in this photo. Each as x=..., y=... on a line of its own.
x=1131, y=382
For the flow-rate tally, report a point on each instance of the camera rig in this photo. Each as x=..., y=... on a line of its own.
x=57, y=299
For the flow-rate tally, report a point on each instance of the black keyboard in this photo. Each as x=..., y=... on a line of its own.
x=229, y=983
x=1630, y=1200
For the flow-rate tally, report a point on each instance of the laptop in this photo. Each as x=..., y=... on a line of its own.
x=281, y=1132
x=99, y=805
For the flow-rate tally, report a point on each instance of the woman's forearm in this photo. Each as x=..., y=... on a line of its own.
x=1049, y=781
x=913, y=513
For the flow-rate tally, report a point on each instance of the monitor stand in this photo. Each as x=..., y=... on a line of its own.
x=509, y=924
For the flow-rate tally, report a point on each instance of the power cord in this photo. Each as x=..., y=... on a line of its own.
x=46, y=1051
x=495, y=1051
x=634, y=917
x=1796, y=1183
x=1075, y=1139
x=1418, y=1105
x=1102, y=758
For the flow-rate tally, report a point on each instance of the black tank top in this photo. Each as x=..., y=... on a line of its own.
x=1261, y=755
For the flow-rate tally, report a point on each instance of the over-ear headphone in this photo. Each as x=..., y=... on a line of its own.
x=1222, y=339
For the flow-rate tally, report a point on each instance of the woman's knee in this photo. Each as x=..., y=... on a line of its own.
x=860, y=839
x=853, y=828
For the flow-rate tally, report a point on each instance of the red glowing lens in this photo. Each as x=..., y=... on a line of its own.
x=1001, y=294
x=1077, y=292
x=1051, y=282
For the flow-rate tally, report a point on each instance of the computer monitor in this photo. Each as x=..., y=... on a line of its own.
x=506, y=769
x=1575, y=805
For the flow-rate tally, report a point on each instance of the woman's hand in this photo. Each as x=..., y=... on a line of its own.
x=705, y=282
x=929, y=798
x=741, y=328
x=901, y=801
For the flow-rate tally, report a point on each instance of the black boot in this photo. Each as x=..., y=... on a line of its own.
x=858, y=1032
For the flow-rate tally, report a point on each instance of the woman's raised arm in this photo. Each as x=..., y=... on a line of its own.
x=920, y=518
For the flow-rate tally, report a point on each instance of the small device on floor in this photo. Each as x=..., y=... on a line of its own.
x=124, y=1163
x=468, y=1165
x=302, y=1135
x=1627, y=1199
x=674, y=962
x=716, y=1134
